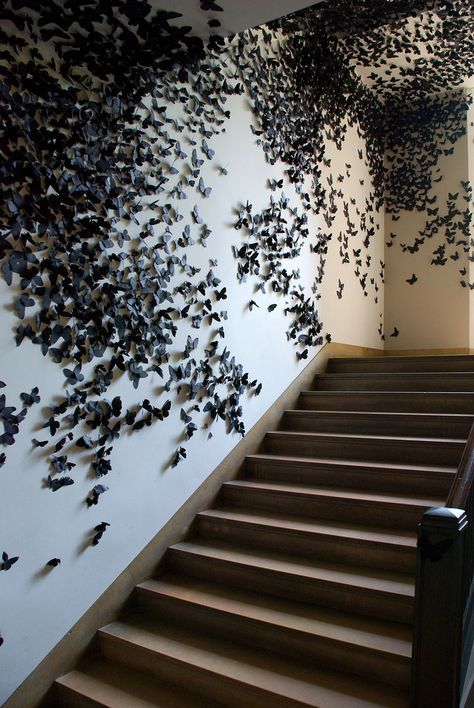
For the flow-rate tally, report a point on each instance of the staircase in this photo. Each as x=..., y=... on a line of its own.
x=297, y=587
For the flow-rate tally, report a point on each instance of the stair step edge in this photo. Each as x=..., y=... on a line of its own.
x=301, y=685
x=348, y=533
x=358, y=436
x=334, y=462
x=330, y=625
x=397, y=584
x=341, y=493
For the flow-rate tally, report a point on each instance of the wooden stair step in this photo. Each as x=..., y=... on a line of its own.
x=391, y=401
x=233, y=675
x=448, y=381
x=297, y=589
x=433, y=480
x=370, y=592
x=111, y=685
x=379, y=509
x=365, y=447
x=448, y=425
x=325, y=540
x=459, y=362
x=357, y=645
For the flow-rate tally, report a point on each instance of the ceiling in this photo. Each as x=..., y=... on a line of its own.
x=237, y=15
x=416, y=47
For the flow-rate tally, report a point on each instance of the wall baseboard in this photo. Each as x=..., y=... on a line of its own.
x=68, y=651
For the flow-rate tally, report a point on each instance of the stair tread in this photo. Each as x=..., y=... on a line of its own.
x=378, y=635
x=355, y=392
x=252, y=668
x=119, y=686
x=394, y=374
x=391, y=401
x=341, y=493
x=397, y=583
x=408, y=374
x=380, y=414
x=358, y=436
x=415, y=357
x=334, y=462
x=388, y=391
x=418, y=364
x=376, y=393
x=328, y=528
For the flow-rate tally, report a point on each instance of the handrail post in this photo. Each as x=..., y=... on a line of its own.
x=439, y=608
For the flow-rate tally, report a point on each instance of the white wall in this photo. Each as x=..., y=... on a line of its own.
x=354, y=318
x=433, y=313
x=39, y=606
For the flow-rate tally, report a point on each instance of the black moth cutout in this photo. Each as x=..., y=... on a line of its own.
x=7, y=561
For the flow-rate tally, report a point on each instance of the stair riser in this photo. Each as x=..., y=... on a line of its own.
x=377, y=479
x=437, y=452
x=443, y=427
x=349, y=510
x=316, y=546
x=62, y=696
x=401, y=364
x=388, y=402
x=338, y=596
x=395, y=382
x=331, y=654
x=209, y=684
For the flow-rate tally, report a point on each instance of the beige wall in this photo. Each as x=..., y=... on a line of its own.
x=356, y=316
x=434, y=312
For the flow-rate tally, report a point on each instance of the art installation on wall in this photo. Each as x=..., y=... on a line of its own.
x=107, y=109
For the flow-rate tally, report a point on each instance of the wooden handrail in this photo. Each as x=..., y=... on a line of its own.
x=464, y=479
x=444, y=599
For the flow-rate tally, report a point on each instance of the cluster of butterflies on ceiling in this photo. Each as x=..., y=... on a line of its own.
x=90, y=150
x=299, y=95
x=327, y=47
x=437, y=53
